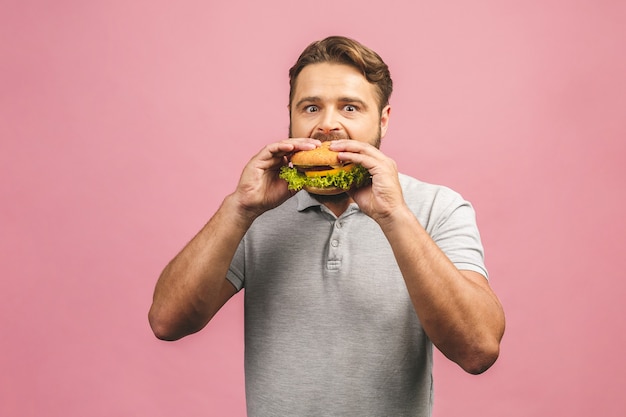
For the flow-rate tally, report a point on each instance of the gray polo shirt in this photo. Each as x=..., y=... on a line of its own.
x=329, y=326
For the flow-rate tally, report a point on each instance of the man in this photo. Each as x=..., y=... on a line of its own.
x=346, y=294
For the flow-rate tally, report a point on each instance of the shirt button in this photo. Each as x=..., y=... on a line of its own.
x=338, y=225
x=334, y=243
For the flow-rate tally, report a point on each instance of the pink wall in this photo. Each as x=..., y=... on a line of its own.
x=123, y=124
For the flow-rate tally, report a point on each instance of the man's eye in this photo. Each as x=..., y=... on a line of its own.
x=350, y=108
x=310, y=109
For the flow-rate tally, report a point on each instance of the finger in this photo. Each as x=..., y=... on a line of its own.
x=356, y=147
x=288, y=146
x=360, y=153
x=351, y=145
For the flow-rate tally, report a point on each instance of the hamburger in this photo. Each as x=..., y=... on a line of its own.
x=319, y=171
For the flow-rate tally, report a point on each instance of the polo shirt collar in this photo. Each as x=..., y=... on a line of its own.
x=304, y=201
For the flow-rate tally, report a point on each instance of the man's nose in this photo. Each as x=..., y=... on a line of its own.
x=329, y=122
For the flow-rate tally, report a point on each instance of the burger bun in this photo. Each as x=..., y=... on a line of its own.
x=324, y=191
x=316, y=157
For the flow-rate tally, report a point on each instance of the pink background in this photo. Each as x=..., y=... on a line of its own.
x=124, y=123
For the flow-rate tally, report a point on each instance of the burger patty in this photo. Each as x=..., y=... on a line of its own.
x=321, y=170
x=315, y=168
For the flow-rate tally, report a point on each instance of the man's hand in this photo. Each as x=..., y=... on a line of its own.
x=260, y=189
x=384, y=195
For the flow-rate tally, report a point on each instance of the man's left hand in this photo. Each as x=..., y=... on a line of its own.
x=384, y=195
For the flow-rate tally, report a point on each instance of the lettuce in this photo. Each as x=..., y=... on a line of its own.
x=343, y=179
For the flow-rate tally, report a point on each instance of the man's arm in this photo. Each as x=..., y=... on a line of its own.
x=458, y=310
x=193, y=286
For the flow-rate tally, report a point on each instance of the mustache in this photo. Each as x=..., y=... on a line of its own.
x=325, y=137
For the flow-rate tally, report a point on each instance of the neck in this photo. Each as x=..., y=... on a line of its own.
x=335, y=203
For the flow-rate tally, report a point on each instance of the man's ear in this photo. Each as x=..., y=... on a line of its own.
x=384, y=120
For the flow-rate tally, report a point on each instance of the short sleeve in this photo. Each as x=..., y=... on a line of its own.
x=236, y=270
x=456, y=233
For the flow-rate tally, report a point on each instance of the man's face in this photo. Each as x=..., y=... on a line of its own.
x=335, y=101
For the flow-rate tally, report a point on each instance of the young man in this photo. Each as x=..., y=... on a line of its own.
x=346, y=294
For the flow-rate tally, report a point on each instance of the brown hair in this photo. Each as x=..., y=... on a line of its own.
x=342, y=50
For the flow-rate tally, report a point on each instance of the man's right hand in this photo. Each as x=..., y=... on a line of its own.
x=260, y=189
